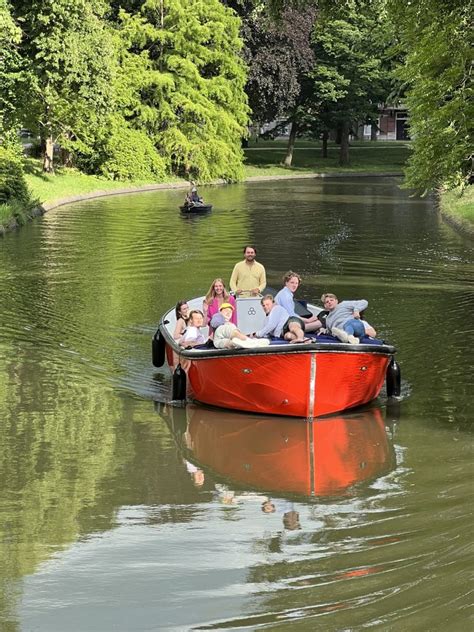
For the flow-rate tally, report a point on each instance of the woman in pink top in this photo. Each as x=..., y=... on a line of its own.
x=217, y=295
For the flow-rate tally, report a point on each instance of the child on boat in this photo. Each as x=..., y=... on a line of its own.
x=228, y=336
x=343, y=319
x=193, y=336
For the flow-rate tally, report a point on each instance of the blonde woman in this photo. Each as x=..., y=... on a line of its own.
x=216, y=296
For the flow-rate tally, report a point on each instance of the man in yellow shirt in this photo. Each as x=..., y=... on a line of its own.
x=248, y=276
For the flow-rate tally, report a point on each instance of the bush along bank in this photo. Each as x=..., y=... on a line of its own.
x=17, y=204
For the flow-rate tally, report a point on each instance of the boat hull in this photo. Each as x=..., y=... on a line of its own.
x=300, y=384
x=195, y=208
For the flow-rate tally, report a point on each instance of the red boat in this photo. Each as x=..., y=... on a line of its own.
x=323, y=457
x=307, y=380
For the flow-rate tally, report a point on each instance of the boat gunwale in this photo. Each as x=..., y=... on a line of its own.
x=284, y=349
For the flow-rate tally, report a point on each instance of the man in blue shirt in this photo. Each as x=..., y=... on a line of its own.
x=291, y=281
x=279, y=323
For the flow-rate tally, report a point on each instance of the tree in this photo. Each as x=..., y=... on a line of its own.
x=71, y=58
x=278, y=52
x=435, y=34
x=350, y=79
x=192, y=103
x=10, y=68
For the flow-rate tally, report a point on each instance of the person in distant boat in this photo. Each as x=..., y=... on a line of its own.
x=182, y=312
x=279, y=323
x=215, y=297
x=193, y=197
x=193, y=336
x=228, y=336
x=343, y=319
x=248, y=276
x=285, y=298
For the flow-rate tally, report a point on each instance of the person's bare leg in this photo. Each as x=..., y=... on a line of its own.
x=314, y=326
x=296, y=330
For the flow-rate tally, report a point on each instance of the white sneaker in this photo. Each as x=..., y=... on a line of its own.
x=340, y=334
x=250, y=343
x=343, y=336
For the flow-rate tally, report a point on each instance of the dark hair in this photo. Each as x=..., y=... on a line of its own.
x=250, y=246
x=179, y=304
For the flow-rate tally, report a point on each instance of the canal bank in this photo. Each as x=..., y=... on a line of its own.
x=457, y=208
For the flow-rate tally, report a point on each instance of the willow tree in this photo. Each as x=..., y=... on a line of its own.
x=193, y=102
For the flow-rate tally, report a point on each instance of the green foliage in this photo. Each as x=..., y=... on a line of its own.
x=193, y=102
x=437, y=71
x=129, y=154
x=349, y=78
x=10, y=67
x=12, y=181
x=70, y=53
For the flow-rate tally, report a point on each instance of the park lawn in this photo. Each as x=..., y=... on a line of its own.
x=265, y=158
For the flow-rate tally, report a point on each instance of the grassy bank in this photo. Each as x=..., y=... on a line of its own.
x=458, y=207
x=262, y=159
x=69, y=182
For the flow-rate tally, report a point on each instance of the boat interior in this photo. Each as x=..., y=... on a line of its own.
x=250, y=317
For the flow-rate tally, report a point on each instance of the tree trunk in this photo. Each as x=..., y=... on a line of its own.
x=291, y=145
x=66, y=155
x=373, y=131
x=338, y=134
x=325, y=144
x=344, y=154
x=48, y=155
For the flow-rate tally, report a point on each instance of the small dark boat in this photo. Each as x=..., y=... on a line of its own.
x=195, y=207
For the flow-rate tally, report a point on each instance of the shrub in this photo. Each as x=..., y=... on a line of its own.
x=131, y=155
x=12, y=181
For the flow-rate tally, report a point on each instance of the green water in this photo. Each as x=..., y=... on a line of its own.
x=101, y=525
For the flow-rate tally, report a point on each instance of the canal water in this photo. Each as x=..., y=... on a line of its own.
x=118, y=512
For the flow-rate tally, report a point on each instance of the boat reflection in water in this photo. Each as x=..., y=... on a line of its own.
x=323, y=457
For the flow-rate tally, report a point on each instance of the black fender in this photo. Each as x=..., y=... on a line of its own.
x=158, y=347
x=393, y=379
x=179, y=383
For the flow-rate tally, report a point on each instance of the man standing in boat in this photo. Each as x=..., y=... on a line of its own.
x=248, y=276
